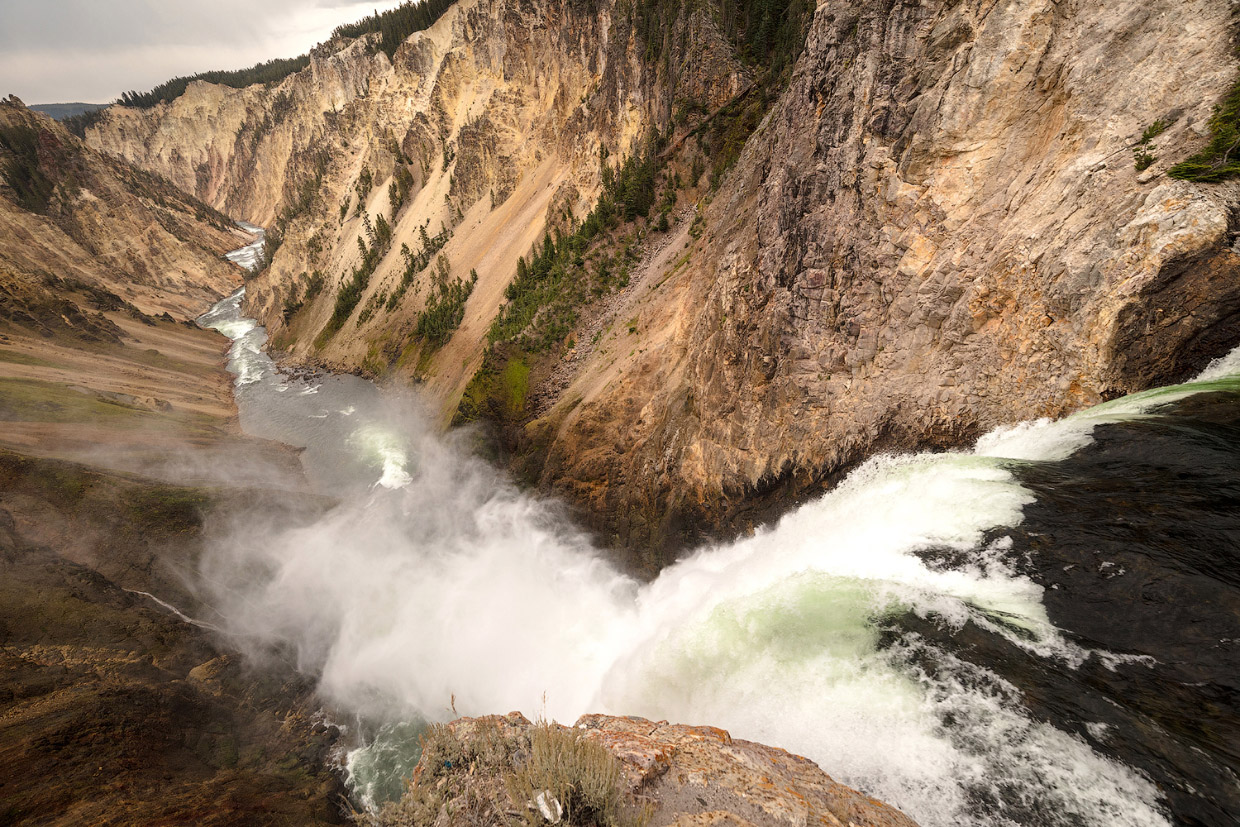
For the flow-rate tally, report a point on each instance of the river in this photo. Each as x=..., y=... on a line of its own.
x=1041, y=630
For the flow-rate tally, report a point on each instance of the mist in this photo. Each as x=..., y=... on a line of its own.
x=435, y=588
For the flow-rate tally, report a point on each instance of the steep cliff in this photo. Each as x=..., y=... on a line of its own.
x=937, y=228
x=479, y=131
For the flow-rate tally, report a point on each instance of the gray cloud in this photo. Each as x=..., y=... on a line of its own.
x=63, y=50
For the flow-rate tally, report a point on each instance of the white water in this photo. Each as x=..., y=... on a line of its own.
x=251, y=254
x=437, y=584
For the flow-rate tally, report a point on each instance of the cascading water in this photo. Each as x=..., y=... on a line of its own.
x=898, y=630
x=251, y=254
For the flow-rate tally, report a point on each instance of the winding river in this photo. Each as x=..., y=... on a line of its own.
x=1042, y=630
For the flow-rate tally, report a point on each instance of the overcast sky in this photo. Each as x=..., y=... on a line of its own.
x=57, y=51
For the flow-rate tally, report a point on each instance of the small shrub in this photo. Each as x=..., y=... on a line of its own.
x=582, y=775
x=1152, y=131
x=417, y=262
x=359, y=279
x=1142, y=154
x=399, y=189
x=315, y=285
x=462, y=779
x=445, y=309
x=493, y=777
x=365, y=182
x=292, y=304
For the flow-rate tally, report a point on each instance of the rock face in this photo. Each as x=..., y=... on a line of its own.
x=70, y=213
x=938, y=228
x=499, y=115
x=699, y=775
x=687, y=776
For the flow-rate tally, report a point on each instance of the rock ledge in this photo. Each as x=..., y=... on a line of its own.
x=700, y=775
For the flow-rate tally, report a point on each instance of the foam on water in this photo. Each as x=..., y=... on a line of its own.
x=442, y=589
x=251, y=254
x=1053, y=440
x=385, y=449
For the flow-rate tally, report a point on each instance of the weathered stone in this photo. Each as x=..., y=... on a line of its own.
x=700, y=775
x=962, y=171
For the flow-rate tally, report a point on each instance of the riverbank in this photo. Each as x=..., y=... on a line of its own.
x=119, y=440
x=114, y=708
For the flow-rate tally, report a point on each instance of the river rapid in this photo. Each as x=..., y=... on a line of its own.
x=1041, y=630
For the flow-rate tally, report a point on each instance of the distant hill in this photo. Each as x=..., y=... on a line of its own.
x=60, y=111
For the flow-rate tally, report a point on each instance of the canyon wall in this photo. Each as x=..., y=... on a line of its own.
x=118, y=432
x=498, y=114
x=70, y=215
x=937, y=228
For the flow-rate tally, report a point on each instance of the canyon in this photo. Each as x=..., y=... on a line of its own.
x=704, y=302
x=117, y=430
x=935, y=228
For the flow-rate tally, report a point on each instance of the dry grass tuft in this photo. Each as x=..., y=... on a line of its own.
x=583, y=776
x=484, y=776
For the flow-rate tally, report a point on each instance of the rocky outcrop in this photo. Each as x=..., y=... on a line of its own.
x=671, y=775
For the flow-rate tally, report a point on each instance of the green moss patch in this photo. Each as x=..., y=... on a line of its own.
x=33, y=400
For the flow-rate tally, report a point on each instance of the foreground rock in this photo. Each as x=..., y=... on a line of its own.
x=473, y=771
x=115, y=710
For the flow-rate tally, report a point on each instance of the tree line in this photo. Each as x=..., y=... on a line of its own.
x=273, y=71
x=766, y=33
x=396, y=25
x=392, y=26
